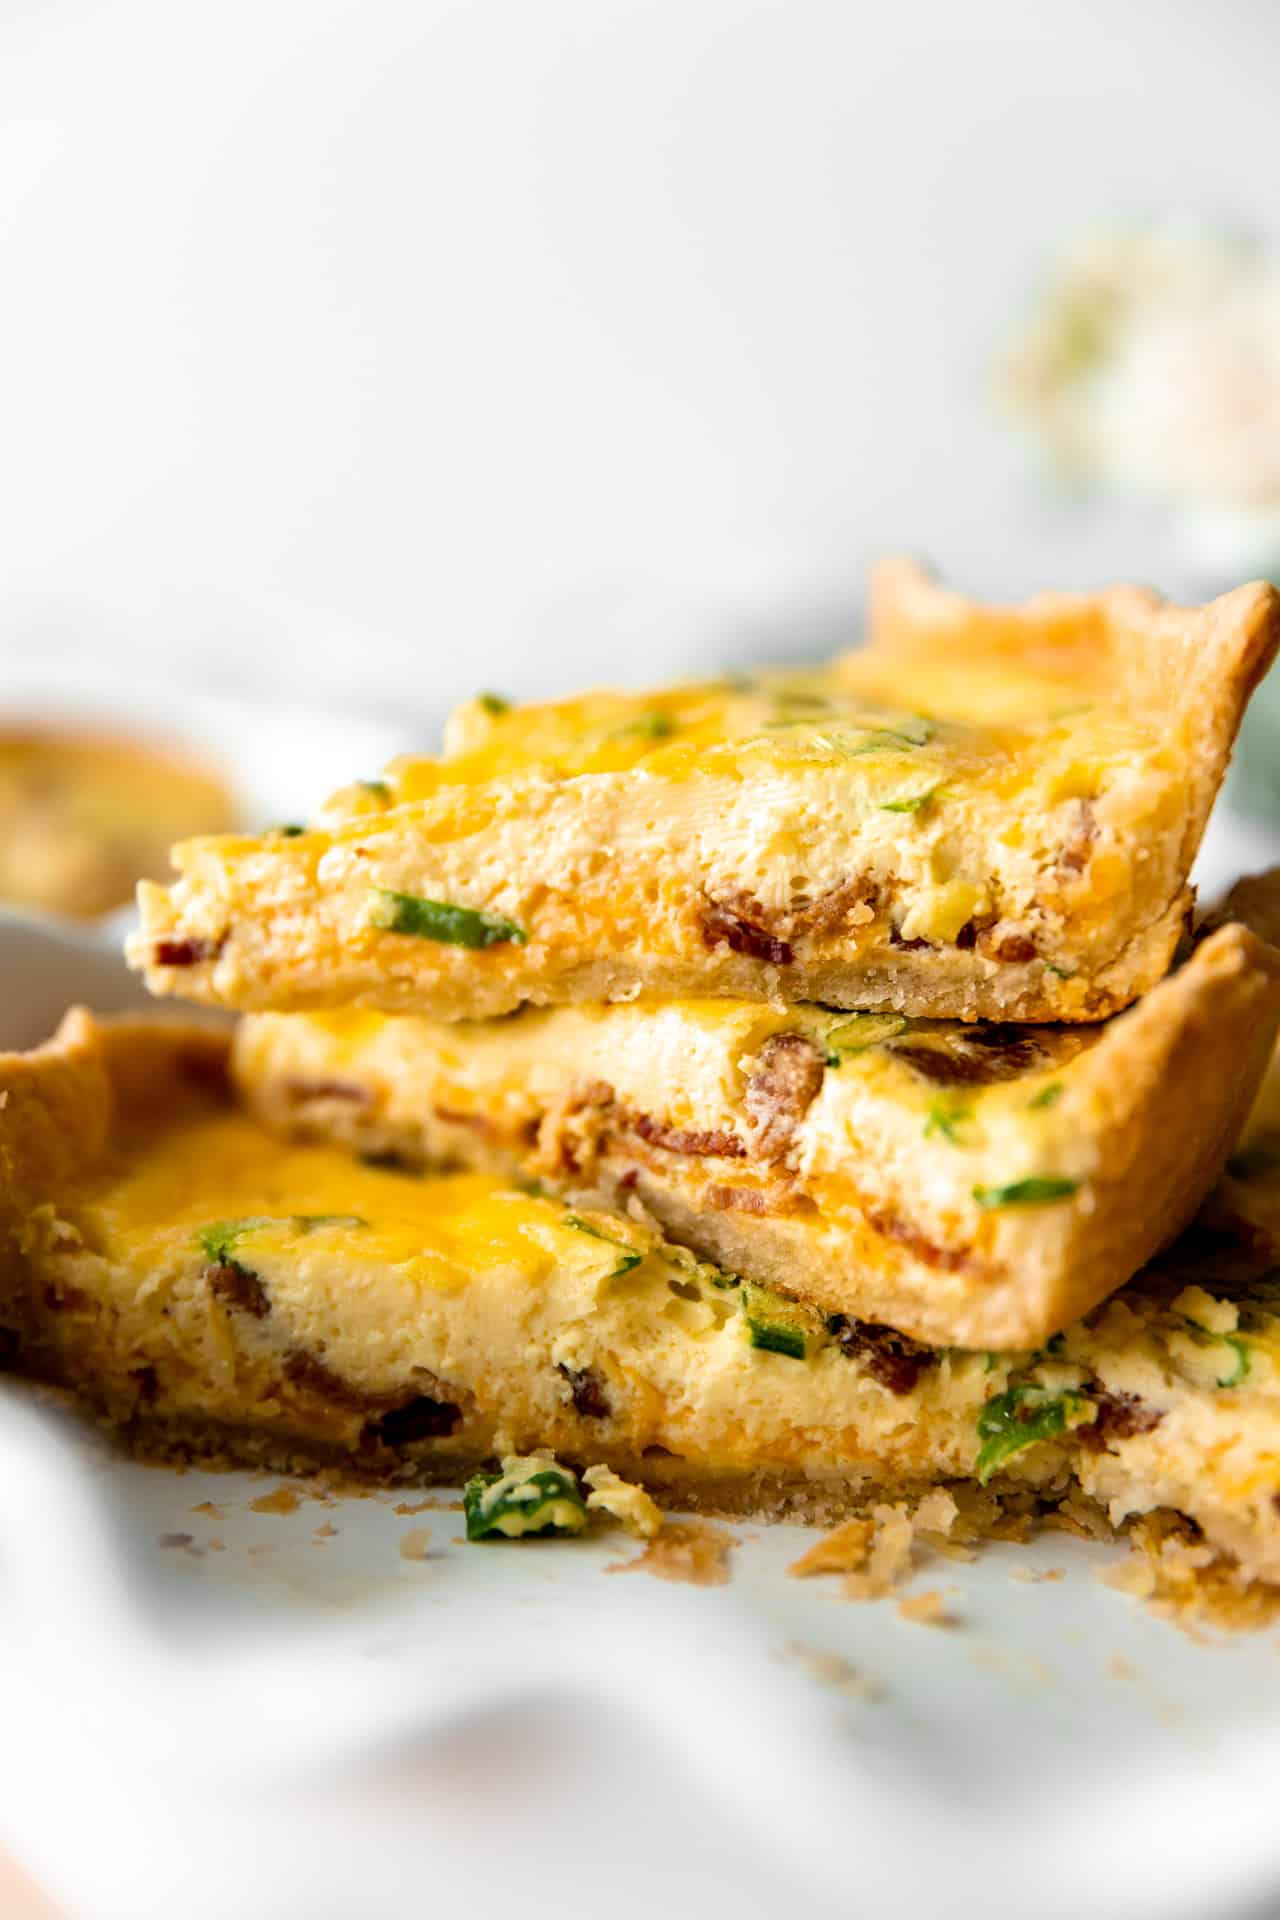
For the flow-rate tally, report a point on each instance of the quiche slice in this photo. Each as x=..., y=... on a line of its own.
x=210, y=1293
x=987, y=814
x=975, y=1185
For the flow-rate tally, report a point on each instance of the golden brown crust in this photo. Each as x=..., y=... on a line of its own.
x=1200, y=665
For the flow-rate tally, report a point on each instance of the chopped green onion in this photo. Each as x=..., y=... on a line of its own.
x=862, y=1031
x=1040, y=1190
x=653, y=726
x=910, y=803
x=493, y=703
x=531, y=1496
x=1021, y=1417
x=409, y=913
x=220, y=1239
x=776, y=1325
x=947, y=1121
x=1048, y=1096
x=631, y=1256
x=381, y=789
x=288, y=830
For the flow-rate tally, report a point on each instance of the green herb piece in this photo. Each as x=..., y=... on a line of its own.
x=862, y=1031
x=436, y=920
x=1021, y=1417
x=1059, y=973
x=493, y=703
x=288, y=830
x=911, y=803
x=1240, y=1371
x=653, y=726
x=529, y=1497
x=1253, y=1161
x=631, y=1256
x=1048, y=1096
x=1040, y=1190
x=776, y=1325
x=220, y=1239
x=381, y=789
x=947, y=1121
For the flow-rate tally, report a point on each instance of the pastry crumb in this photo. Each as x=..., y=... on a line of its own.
x=695, y=1552
x=417, y=1506
x=840, y=1551
x=283, y=1500
x=834, y=1671
x=415, y=1544
x=927, y=1609
x=324, y=1531
x=208, y=1507
x=1034, y=1575
x=176, y=1540
x=622, y=1500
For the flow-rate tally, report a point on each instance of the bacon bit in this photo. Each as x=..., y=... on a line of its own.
x=853, y=903
x=239, y=1288
x=186, y=953
x=299, y=1090
x=892, y=1358
x=977, y=1056
x=967, y=936
x=714, y=1140
x=1014, y=949
x=783, y=1085
x=587, y=1390
x=1078, y=848
x=421, y=1418
x=721, y=926
x=894, y=1227
x=1119, y=1417
x=693, y=1551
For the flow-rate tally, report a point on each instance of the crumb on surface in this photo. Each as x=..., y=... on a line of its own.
x=622, y=1500
x=1180, y=1578
x=840, y=1551
x=1035, y=1575
x=415, y=1544
x=834, y=1671
x=695, y=1552
x=284, y=1499
x=208, y=1507
x=324, y=1531
x=417, y=1506
x=927, y=1609
x=176, y=1540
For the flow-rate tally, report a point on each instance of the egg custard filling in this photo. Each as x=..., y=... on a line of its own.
x=984, y=814
x=210, y=1293
x=974, y=1186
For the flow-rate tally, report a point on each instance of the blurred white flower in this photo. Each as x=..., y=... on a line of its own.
x=1153, y=364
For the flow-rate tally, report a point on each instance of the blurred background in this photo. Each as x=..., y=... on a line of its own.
x=358, y=356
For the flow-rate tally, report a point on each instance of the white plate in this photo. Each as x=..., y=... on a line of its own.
x=309, y=1724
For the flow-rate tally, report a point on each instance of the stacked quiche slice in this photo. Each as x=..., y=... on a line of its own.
x=788, y=1092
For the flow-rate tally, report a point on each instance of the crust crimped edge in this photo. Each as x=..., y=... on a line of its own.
x=1197, y=665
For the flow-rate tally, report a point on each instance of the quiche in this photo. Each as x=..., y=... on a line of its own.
x=209, y=1293
x=974, y=1185
x=985, y=814
x=83, y=816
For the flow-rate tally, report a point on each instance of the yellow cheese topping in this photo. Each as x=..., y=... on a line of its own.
x=436, y=1233
x=891, y=749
